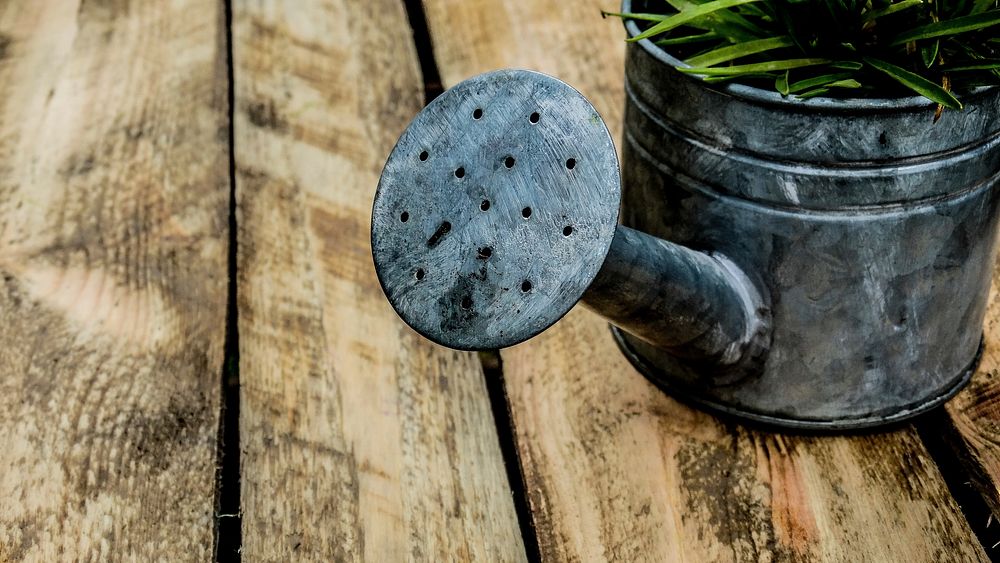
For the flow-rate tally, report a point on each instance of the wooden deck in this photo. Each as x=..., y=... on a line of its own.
x=197, y=362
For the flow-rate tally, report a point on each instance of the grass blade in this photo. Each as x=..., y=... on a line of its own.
x=849, y=83
x=818, y=81
x=964, y=24
x=915, y=82
x=985, y=64
x=983, y=5
x=892, y=9
x=687, y=39
x=732, y=26
x=689, y=15
x=781, y=84
x=812, y=93
x=717, y=79
x=726, y=54
x=740, y=70
x=847, y=65
x=929, y=53
x=640, y=17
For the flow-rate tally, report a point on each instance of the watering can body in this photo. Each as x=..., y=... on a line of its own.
x=870, y=229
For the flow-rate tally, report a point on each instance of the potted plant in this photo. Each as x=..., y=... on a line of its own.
x=845, y=155
x=809, y=205
x=808, y=48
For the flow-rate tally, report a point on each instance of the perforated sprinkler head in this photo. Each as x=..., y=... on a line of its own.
x=495, y=210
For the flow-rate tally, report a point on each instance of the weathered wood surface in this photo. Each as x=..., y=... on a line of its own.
x=972, y=424
x=359, y=439
x=614, y=468
x=114, y=198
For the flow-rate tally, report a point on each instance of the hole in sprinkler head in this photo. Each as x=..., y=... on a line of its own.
x=509, y=162
x=466, y=302
x=571, y=163
x=534, y=117
x=419, y=274
x=439, y=234
x=567, y=230
x=526, y=212
x=404, y=217
x=424, y=155
x=883, y=139
x=460, y=172
x=526, y=286
x=485, y=252
x=485, y=205
x=478, y=113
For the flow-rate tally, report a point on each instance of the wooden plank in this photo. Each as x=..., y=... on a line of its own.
x=616, y=469
x=971, y=423
x=114, y=199
x=359, y=439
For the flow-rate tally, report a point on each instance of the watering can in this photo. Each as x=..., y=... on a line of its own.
x=814, y=265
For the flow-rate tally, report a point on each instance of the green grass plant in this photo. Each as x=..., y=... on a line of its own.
x=832, y=48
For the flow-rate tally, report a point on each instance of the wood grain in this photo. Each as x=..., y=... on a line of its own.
x=114, y=198
x=971, y=422
x=616, y=469
x=360, y=440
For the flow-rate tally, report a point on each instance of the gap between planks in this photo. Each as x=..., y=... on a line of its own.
x=491, y=361
x=943, y=443
x=228, y=517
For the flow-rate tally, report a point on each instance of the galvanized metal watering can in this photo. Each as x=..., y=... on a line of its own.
x=820, y=264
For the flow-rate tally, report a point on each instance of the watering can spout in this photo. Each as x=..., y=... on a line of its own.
x=700, y=307
x=497, y=212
